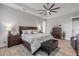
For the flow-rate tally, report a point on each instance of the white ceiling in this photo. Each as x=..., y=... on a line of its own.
x=32, y=8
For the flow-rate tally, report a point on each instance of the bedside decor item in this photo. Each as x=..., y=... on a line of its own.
x=9, y=28
x=39, y=27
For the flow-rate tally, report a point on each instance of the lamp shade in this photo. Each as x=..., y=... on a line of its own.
x=9, y=27
x=39, y=27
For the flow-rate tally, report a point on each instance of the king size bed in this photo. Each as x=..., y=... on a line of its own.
x=33, y=39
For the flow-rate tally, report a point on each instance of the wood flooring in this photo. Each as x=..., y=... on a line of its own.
x=64, y=49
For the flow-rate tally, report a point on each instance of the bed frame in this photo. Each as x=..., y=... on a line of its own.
x=25, y=43
x=26, y=28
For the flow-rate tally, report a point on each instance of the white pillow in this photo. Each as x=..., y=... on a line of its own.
x=34, y=31
x=29, y=31
x=26, y=31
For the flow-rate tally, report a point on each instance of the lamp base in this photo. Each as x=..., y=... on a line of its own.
x=9, y=32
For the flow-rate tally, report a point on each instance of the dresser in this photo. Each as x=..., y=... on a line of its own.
x=13, y=40
x=57, y=32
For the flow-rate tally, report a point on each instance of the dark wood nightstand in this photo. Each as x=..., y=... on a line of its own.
x=13, y=40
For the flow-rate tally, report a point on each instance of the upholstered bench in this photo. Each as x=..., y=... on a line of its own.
x=49, y=45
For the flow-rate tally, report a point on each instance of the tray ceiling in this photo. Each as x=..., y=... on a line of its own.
x=32, y=8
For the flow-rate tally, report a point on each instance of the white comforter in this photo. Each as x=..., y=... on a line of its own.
x=35, y=40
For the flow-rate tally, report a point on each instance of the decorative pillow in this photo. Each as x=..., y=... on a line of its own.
x=24, y=32
x=27, y=31
x=34, y=31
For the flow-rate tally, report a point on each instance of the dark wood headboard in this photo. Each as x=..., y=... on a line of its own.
x=26, y=28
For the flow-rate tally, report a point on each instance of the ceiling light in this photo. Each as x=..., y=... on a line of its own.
x=48, y=9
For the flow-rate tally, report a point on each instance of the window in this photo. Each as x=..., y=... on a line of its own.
x=44, y=26
x=75, y=26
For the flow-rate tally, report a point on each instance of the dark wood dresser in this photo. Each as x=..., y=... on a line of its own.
x=57, y=32
x=13, y=40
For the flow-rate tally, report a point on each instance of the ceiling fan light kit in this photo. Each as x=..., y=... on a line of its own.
x=48, y=10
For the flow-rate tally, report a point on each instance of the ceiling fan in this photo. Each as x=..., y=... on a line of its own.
x=49, y=9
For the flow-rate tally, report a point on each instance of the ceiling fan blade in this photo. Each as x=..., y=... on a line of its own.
x=55, y=8
x=44, y=7
x=41, y=10
x=52, y=6
x=47, y=5
x=49, y=13
x=43, y=13
x=54, y=11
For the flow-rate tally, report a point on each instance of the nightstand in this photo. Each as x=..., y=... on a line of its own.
x=13, y=40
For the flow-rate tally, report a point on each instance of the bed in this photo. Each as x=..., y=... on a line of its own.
x=32, y=41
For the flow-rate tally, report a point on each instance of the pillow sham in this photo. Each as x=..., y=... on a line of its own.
x=29, y=31
x=34, y=31
x=24, y=32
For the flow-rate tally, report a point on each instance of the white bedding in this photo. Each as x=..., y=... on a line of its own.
x=35, y=40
